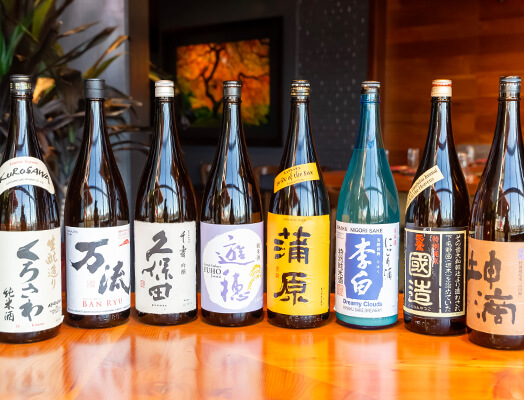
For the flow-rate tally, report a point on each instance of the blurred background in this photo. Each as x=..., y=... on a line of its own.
x=335, y=44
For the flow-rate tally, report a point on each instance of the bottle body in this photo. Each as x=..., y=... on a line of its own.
x=231, y=228
x=29, y=231
x=298, y=228
x=367, y=228
x=437, y=219
x=97, y=228
x=494, y=276
x=165, y=226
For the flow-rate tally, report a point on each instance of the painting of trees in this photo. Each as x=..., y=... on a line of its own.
x=201, y=69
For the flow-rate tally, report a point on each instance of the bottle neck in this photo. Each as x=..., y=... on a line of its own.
x=440, y=135
x=165, y=130
x=95, y=129
x=21, y=139
x=507, y=132
x=369, y=131
x=300, y=141
x=232, y=132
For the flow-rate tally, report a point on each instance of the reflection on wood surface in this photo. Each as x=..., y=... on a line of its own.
x=197, y=360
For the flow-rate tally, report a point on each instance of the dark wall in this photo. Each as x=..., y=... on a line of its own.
x=324, y=41
x=332, y=53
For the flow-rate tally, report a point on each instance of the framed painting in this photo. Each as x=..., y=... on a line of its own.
x=200, y=59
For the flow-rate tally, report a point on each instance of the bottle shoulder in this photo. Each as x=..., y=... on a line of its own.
x=309, y=198
x=368, y=193
x=165, y=200
x=231, y=195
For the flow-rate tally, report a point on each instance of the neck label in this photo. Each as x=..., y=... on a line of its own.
x=21, y=171
x=297, y=174
x=428, y=178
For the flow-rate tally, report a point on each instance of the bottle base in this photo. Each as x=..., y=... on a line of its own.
x=297, y=321
x=166, y=319
x=29, y=337
x=366, y=323
x=98, y=321
x=435, y=326
x=232, y=319
x=498, y=342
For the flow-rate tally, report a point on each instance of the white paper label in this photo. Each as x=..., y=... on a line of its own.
x=165, y=267
x=25, y=171
x=367, y=270
x=424, y=181
x=98, y=270
x=30, y=281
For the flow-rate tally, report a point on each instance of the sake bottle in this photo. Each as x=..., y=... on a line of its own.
x=165, y=225
x=30, y=272
x=495, y=299
x=437, y=219
x=367, y=228
x=97, y=227
x=231, y=227
x=298, y=228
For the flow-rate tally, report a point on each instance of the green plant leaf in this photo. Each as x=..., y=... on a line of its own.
x=40, y=15
x=7, y=51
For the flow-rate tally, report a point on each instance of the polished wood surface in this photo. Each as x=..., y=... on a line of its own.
x=470, y=42
x=196, y=360
x=335, y=178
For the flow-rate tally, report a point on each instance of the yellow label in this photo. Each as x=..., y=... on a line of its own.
x=424, y=181
x=298, y=264
x=296, y=174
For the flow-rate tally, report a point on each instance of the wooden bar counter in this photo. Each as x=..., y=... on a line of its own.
x=196, y=360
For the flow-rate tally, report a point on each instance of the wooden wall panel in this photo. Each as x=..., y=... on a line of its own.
x=471, y=42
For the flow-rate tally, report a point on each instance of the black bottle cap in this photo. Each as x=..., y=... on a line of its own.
x=232, y=89
x=20, y=84
x=94, y=88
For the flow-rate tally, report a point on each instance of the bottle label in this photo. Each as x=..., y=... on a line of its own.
x=165, y=267
x=98, y=270
x=367, y=270
x=232, y=274
x=428, y=178
x=297, y=174
x=435, y=265
x=298, y=264
x=495, y=287
x=20, y=171
x=30, y=281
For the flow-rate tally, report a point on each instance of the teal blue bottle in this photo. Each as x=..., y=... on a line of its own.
x=367, y=228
